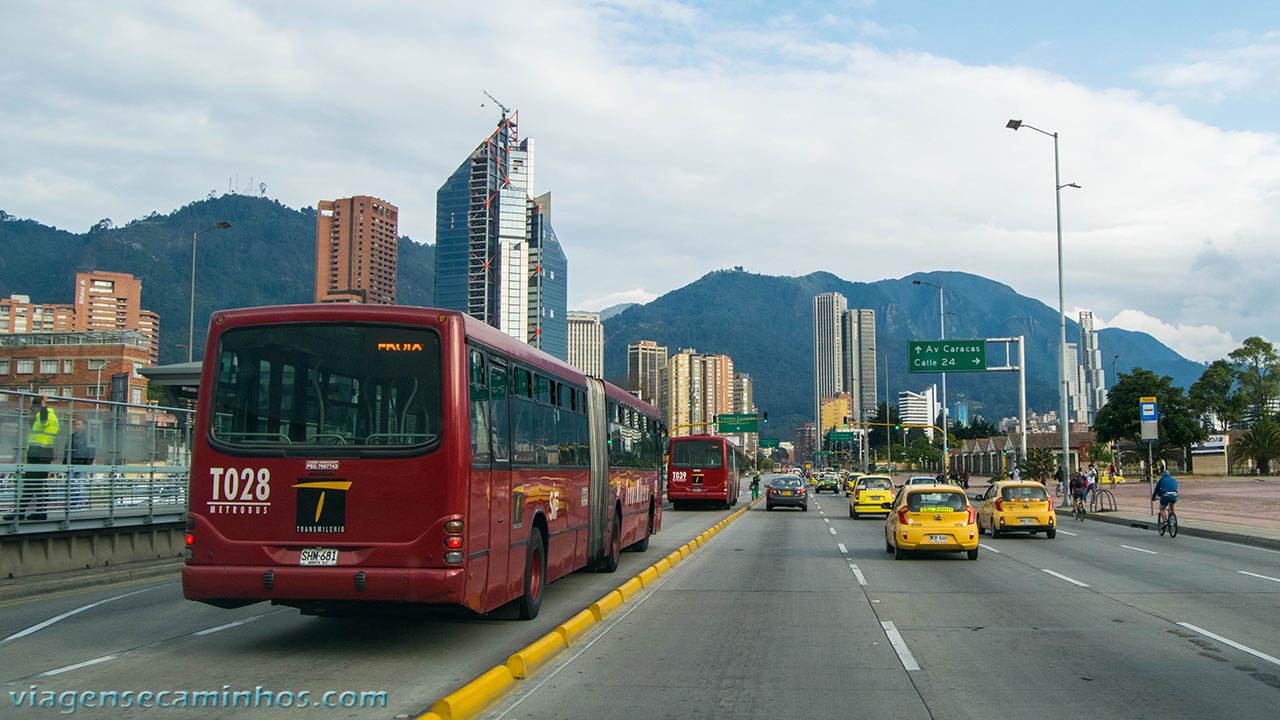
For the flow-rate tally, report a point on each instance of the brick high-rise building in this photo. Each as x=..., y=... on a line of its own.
x=75, y=364
x=19, y=315
x=107, y=301
x=694, y=389
x=357, y=241
x=644, y=359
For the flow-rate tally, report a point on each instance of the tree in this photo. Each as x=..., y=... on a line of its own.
x=1261, y=443
x=1211, y=394
x=1118, y=419
x=979, y=429
x=1038, y=465
x=1257, y=369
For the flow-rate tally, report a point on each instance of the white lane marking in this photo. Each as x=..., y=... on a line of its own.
x=1232, y=643
x=58, y=618
x=228, y=626
x=79, y=665
x=843, y=550
x=858, y=574
x=833, y=530
x=826, y=520
x=1264, y=577
x=1130, y=547
x=1068, y=532
x=904, y=653
x=991, y=549
x=1064, y=577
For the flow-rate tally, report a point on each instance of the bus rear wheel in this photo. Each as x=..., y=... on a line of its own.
x=610, y=562
x=535, y=573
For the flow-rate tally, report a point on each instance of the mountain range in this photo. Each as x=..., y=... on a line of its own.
x=765, y=323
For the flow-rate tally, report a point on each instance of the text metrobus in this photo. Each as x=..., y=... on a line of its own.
x=359, y=453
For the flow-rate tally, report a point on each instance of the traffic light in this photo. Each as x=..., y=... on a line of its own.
x=765, y=416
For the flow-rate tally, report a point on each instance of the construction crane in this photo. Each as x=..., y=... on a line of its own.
x=505, y=110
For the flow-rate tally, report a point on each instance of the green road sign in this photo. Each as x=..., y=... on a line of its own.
x=766, y=443
x=737, y=422
x=841, y=435
x=821, y=453
x=934, y=356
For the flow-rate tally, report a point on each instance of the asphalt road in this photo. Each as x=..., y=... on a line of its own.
x=772, y=620
x=782, y=614
x=144, y=636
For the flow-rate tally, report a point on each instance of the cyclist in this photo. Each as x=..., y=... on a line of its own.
x=1167, y=490
x=1079, y=490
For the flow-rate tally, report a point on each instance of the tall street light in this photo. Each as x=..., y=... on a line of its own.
x=191, y=319
x=1062, y=309
x=942, y=335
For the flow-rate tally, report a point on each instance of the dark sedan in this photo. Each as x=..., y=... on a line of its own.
x=787, y=491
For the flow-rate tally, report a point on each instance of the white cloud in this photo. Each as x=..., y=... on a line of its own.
x=1202, y=343
x=673, y=143
x=637, y=295
x=1245, y=64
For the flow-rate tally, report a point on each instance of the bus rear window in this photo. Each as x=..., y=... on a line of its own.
x=327, y=385
x=697, y=454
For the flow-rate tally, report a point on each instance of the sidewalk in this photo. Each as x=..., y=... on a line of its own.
x=1238, y=509
x=1245, y=510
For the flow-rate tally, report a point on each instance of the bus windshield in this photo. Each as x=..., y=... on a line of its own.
x=697, y=454
x=357, y=386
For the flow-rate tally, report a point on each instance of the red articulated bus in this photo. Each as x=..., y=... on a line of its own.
x=703, y=470
x=355, y=454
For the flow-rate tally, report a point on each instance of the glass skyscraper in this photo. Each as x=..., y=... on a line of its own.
x=497, y=257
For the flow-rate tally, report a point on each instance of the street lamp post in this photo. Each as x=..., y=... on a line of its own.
x=191, y=319
x=942, y=335
x=1062, y=309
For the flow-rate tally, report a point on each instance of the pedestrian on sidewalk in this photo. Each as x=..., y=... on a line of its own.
x=40, y=442
x=80, y=451
x=755, y=486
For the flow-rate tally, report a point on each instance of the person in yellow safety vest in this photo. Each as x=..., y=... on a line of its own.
x=40, y=450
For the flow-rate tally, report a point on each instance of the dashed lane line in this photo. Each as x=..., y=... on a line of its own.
x=59, y=618
x=1060, y=576
x=900, y=646
x=79, y=665
x=991, y=549
x=833, y=530
x=858, y=574
x=1264, y=577
x=1242, y=648
x=227, y=626
x=1138, y=549
x=843, y=550
x=1068, y=532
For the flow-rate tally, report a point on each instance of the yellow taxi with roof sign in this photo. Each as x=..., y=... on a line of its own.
x=1016, y=506
x=869, y=494
x=931, y=517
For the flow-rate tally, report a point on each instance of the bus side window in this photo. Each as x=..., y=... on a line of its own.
x=498, y=393
x=480, y=440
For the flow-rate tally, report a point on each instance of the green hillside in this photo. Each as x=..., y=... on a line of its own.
x=266, y=257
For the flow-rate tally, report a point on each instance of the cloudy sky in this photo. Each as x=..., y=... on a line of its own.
x=862, y=137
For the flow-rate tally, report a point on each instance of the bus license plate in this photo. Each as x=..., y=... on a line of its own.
x=319, y=556
x=938, y=538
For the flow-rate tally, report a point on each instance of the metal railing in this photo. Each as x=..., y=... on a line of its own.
x=126, y=465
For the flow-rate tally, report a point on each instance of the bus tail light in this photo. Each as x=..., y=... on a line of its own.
x=191, y=539
x=453, y=558
x=453, y=527
x=453, y=542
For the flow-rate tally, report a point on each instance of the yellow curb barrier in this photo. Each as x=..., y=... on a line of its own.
x=471, y=699
x=523, y=663
x=649, y=575
x=630, y=588
x=575, y=626
x=607, y=605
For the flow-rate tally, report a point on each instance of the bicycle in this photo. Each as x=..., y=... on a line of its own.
x=1170, y=522
x=1077, y=511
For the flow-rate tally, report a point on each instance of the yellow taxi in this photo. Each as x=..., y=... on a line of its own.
x=869, y=493
x=1016, y=506
x=931, y=517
